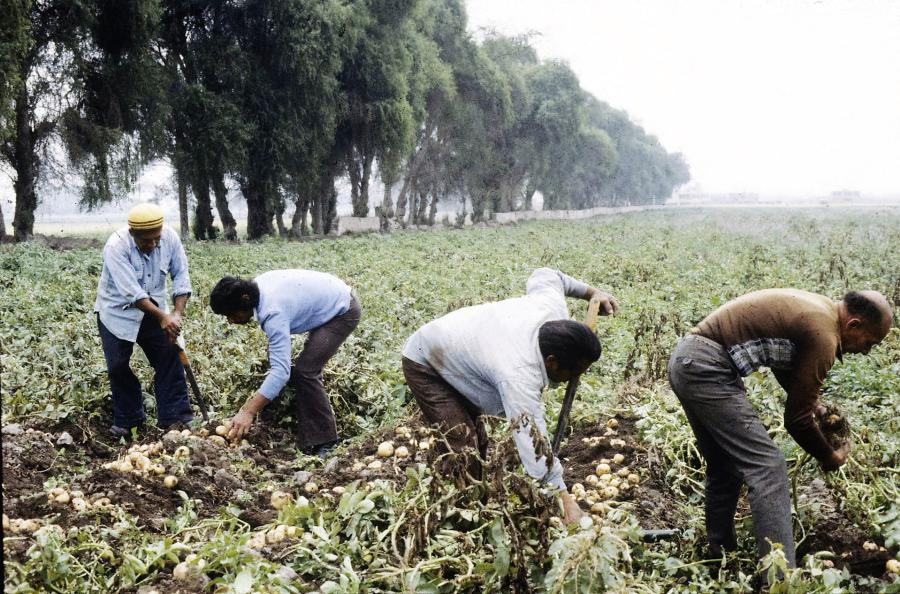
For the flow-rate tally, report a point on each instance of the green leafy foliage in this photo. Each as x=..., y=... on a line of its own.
x=425, y=532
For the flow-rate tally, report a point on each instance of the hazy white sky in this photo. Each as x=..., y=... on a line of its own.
x=770, y=96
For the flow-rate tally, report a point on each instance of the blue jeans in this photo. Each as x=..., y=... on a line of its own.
x=736, y=446
x=169, y=385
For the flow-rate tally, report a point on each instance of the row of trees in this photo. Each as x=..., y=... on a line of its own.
x=285, y=97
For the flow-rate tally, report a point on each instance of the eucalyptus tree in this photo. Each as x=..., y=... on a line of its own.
x=292, y=52
x=377, y=121
x=42, y=69
x=14, y=36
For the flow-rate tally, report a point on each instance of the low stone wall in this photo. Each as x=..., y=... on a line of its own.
x=358, y=225
x=369, y=224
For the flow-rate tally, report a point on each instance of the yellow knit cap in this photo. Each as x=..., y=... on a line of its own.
x=145, y=216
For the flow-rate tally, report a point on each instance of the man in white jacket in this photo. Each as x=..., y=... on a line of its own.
x=496, y=359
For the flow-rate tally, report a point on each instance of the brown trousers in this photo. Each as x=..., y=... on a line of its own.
x=452, y=412
x=312, y=407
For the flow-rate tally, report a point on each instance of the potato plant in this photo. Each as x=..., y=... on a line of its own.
x=193, y=512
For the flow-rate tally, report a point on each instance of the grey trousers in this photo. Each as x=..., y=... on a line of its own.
x=735, y=445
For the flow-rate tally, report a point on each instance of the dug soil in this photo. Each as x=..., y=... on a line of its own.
x=243, y=477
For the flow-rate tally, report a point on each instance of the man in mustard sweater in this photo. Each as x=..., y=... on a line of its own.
x=798, y=335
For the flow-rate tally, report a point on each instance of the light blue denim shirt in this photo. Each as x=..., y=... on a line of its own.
x=130, y=275
x=293, y=302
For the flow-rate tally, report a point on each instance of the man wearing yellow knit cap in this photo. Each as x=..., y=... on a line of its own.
x=132, y=307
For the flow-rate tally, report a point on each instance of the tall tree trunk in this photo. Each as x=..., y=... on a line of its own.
x=364, y=186
x=2, y=225
x=182, y=204
x=329, y=211
x=386, y=211
x=530, y=190
x=432, y=210
x=279, y=217
x=353, y=171
x=421, y=207
x=259, y=213
x=298, y=221
x=402, y=200
x=203, y=215
x=317, y=216
x=26, y=164
x=229, y=225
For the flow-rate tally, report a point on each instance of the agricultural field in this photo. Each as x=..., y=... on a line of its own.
x=259, y=516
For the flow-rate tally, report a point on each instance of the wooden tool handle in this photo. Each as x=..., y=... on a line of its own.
x=593, y=312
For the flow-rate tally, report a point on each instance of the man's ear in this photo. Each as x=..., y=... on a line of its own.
x=854, y=323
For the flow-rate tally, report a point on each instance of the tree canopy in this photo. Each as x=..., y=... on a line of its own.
x=285, y=98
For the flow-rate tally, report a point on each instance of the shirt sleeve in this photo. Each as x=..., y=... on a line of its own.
x=115, y=257
x=278, y=330
x=525, y=409
x=544, y=279
x=178, y=268
x=815, y=357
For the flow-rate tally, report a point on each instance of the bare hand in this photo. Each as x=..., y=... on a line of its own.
x=838, y=458
x=240, y=425
x=171, y=325
x=571, y=512
x=820, y=411
x=608, y=303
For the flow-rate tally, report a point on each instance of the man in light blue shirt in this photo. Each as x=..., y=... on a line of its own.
x=131, y=307
x=287, y=302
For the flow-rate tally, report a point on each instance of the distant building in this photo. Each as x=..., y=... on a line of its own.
x=846, y=196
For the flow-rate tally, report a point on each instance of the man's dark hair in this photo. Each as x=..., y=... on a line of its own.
x=571, y=343
x=859, y=305
x=227, y=296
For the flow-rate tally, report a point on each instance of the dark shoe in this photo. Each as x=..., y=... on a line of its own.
x=323, y=450
x=178, y=425
x=117, y=431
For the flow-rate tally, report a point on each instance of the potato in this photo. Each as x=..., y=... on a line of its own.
x=592, y=480
x=338, y=490
x=170, y=481
x=280, y=499
x=62, y=498
x=602, y=469
x=203, y=432
x=892, y=566
x=6, y=523
x=158, y=469
x=221, y=430
x=374, y=465
x=181, y=572
x=311, y=488
x=79, y=504
x=612, y=424
x=598, y=508
x=618, y=458
x=385, y=449
x=634, y=478
x=182, y=452
x=218, y=440
x=401, y=452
